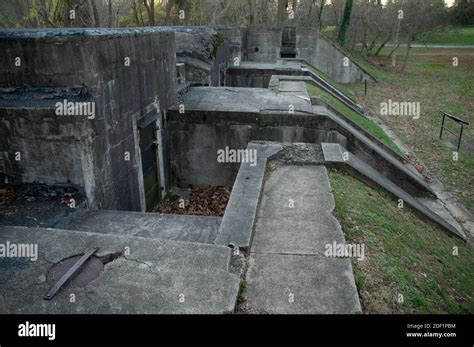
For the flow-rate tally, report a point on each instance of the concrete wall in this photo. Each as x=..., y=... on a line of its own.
x=38, y=135
x=205, y=52
x=324, y=55
x=197, y=136
x=263, y=44
x=233, y=36
x=123, y=95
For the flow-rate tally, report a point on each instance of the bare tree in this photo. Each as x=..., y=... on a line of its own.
x=282, y=11
x=150, y=8
x=253, y=11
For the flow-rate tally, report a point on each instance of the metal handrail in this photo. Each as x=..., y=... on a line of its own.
x=458, y=121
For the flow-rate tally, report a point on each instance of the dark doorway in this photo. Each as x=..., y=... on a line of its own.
x=149, y=154
x=288, y=43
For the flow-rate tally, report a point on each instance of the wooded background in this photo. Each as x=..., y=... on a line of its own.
x=369, y=23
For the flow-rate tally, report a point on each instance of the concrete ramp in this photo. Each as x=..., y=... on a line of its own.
x=288, y=269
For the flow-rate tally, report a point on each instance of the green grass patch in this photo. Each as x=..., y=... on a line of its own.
x=463, y=36
x=404, y=255
x=431, y=79
x=371, y=127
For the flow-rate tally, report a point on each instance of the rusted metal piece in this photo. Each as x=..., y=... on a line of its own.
x=69, y=273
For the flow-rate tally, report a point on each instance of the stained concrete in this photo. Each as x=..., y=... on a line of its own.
x=287, y=253
x=86, y=152
x=148, y=279
x=320, y=52
x=150, y=225
x=218, y=117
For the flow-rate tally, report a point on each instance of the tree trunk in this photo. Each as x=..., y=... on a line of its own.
x=377, y=52
x=320, y=14
x=282, y=13
x=169, y=7
x=346, y=21
x=407, y=55
x=111, y=15
x=253, y=12
x=94, y=13
x=150, y=8
x=135, y=13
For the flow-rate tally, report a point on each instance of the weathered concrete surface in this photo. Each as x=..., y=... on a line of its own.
x=150, y=225
x=239, y=218
x=305, y=228
x=369, y=150
x=333, y=153
x=150, y=279
x=218, y=117
x=287, y=261
x=263, y=44
x=299, y=154
x=320, y=52
x=258, y=75
x=90, y=150
x=318, y=285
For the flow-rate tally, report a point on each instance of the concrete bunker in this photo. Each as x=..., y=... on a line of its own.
x=164, y=108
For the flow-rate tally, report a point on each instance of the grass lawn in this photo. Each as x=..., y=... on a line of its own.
x=363, y=122
x=430, y=79
x=453, y=36
x=404, y=255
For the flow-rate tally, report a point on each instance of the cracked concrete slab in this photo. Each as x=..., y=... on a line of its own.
x=296, y=218
x=318, y=285
x=140, y=276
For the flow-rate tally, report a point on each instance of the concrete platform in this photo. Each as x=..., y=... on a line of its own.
x=150, y=225
x=150, y=279
x=288, y=269
x=242, y=100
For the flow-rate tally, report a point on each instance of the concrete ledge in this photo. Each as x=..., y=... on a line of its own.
x=239, y=218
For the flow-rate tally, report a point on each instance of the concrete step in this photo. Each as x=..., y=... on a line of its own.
x=153, y=276
x=149, y=225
